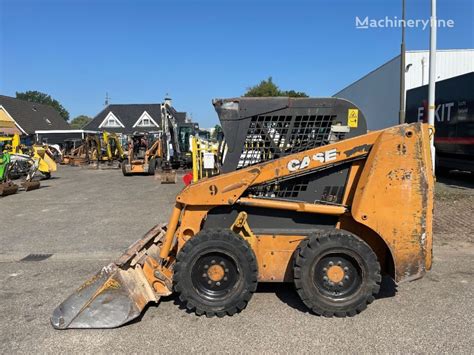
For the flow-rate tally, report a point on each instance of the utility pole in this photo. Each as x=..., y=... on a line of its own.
x=401, y=114
x=432, y=77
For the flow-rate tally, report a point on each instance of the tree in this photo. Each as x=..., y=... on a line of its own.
x=80, y=121
x=267, y=88
x=42, y=98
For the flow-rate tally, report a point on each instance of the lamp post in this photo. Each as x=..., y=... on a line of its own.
x=432, y=77
x=401, y=114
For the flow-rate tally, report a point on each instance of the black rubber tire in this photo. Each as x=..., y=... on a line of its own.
x=242, y=285
x=322, y=296
x=124, y=169
x=46, y=175
x=151, y=166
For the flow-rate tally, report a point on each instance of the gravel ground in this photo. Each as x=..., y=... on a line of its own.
x=85, y=218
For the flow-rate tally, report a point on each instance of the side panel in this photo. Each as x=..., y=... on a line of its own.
x=394, y=197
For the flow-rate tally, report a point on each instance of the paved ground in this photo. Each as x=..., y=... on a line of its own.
x=85, y=218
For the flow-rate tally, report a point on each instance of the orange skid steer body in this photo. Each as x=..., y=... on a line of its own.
x=213, y=251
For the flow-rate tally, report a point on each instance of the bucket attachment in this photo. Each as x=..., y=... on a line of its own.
x=167, y=176
x=8, y=188
x=119, y=292
x=30, y=185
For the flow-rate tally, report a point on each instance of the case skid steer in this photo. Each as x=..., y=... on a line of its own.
x=145, y=153
x=308, y=197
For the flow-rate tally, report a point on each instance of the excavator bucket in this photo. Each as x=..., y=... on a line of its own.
x=118, y=293
x=167, y=176
x=8, y=188
x=30, y=185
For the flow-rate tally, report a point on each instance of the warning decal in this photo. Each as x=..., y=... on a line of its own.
x=353, y=117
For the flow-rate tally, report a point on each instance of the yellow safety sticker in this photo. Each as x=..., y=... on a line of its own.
x=353, y=117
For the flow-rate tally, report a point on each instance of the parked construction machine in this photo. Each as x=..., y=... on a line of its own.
x=100, y=150
x=10, y=165
x=43, y=157
x=308, y=197
x=145, y=153
x=163, y=151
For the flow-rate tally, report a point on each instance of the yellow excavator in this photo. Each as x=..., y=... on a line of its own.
x=305, y=196
x=40, y=153
x=101, y=150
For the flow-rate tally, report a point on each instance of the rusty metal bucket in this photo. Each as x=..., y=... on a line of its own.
x=30, y=185
x=8, y=188
x=167, y=176
x=117, y=294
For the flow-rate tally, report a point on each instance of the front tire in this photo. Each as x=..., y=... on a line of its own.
x=216, y=273
x=336, y=274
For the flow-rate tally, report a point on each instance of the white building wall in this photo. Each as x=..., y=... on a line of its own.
x=449, y=63
x=378, y=93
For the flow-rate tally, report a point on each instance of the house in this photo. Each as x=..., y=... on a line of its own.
x=25, y=118
x=128, y=118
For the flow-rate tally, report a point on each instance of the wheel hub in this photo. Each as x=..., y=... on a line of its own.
x=335, y=273
x=216, y=273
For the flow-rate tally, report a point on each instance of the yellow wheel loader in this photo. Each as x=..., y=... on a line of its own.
x=308, y=197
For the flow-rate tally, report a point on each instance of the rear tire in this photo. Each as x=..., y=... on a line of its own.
x=151, y=166
x=216, y=273
x=336, y=274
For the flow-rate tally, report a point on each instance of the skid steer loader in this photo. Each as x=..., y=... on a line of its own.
x=312, y=199
x=144, y=154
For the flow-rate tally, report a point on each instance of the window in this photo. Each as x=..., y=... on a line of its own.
x=145, y=120
x=111, y=121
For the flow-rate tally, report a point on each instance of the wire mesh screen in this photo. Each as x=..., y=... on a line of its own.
x=290, y=189
x=271, y=137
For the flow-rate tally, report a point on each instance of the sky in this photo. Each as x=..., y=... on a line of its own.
x=196, y=50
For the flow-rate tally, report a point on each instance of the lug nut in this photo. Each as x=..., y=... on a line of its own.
x=206, y=266
x=222, y=263
x=225, y=278
x=346, y=268
x=331, y=263
x=325, y=278
x=339, y=263
x=325, y=269
x=340, y=284
x=226, y=270
x=213, y=261
x=218, y=283
x=209, y=282
x=346, y=277
x=204, y=275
